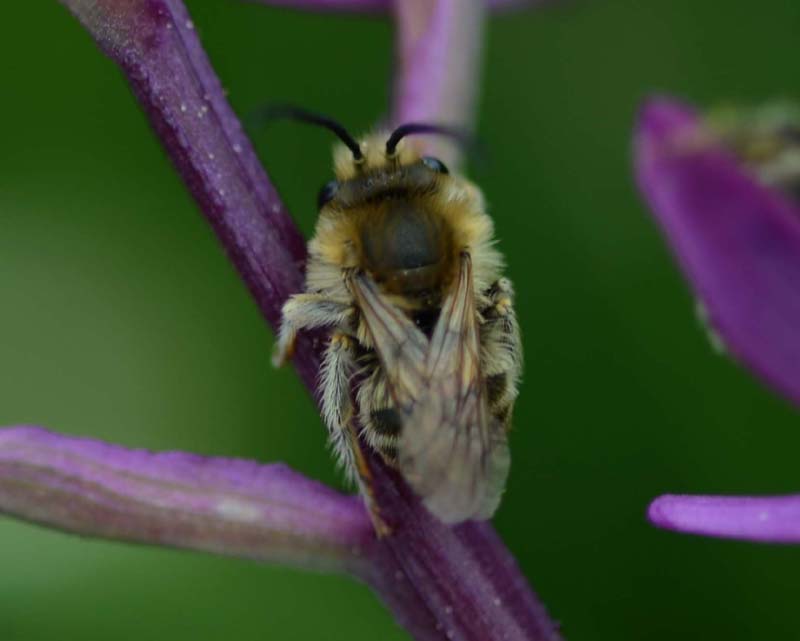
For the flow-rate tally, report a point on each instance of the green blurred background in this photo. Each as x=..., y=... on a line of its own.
x=122, y=320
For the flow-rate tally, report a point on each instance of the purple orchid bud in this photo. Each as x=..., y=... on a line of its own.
x=774, y=519
x=441, y=583
x=736, y=238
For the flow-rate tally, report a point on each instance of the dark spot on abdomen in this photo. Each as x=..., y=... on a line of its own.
x=426, y=319
x=386, y=421
x=496, y=385
x=502, y=414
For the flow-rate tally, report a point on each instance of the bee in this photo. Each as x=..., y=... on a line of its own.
x=424, y=356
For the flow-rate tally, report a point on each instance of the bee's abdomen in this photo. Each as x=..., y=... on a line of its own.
x=496, y=387
x=501, y=352
x=386, y=421
x=425, y=319
x=386, y=426
x=498, y=396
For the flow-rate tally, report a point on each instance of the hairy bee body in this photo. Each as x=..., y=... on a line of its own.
x=402, y=264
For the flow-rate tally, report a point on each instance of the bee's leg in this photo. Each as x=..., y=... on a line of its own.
x=337, y=408
x=366, y=482
x=307, y=311
x=501, y=349
x=500, y=298
x=337, y=411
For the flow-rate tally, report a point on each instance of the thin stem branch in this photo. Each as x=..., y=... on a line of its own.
x=439, y=47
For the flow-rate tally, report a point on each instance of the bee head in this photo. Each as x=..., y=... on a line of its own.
x=386, y=151
x=376, y=164
x=375, y=152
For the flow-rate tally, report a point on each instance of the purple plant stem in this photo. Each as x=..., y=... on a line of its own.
x=772, y=519
x=226, y=506
x=470, y=582
x=155, y=44
x=737, y=241
x=441, y=583
x=439, y=46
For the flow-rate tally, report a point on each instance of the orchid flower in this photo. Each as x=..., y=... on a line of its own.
x=737, y=238
x=440, y=582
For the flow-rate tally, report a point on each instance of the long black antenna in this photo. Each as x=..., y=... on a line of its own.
x=274, y=112
x=459, y=135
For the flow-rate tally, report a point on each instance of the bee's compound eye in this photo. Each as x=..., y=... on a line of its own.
x=327, y=193
x=435, y=164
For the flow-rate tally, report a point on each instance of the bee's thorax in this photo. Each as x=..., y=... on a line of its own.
x=407, y=249
x=405, y=221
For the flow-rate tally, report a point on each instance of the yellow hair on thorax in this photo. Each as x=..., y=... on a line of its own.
x=373, y=146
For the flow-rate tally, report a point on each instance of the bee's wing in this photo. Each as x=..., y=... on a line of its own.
x=400, y=345
x=452, y=452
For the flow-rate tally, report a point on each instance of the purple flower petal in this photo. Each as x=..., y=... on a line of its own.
x=774, y=519
x=737, y=241
x=227, y=506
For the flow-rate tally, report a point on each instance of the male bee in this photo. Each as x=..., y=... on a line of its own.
x=403, y=269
